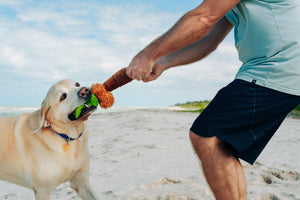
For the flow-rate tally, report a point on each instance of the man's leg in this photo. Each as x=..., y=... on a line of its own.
x=224, y=173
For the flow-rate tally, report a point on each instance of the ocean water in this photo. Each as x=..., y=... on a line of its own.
x=7, y=111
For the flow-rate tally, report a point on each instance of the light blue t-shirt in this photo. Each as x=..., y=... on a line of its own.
x=267, y=37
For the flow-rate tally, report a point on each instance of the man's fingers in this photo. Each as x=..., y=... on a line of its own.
x=151, y=77
x=137, y=73
x=129, y=73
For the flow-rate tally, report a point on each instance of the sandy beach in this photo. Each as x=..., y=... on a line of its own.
x=145, y=154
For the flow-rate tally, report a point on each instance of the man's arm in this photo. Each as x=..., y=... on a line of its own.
x=193, y=52
x=190, y=28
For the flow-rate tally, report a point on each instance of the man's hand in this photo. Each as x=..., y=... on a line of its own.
x=140, y=67
x=134, y=70
x=156, y=72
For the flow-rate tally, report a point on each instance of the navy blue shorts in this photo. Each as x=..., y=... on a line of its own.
x=245, y=116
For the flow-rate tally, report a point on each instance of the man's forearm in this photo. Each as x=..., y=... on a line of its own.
x=193, y=26
x=184, y=56
x=182, y=34
x=199, y=49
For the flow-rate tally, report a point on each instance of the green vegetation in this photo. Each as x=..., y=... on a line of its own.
x=199, y=106
x=296, y=112
x=194, y=106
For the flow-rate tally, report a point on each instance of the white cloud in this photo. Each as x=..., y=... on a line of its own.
x=12, y=2
x=11, y=57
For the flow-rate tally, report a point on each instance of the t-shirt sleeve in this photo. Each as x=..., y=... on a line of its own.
x=232, y=17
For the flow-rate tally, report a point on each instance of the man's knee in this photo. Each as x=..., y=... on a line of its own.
x=202, y=145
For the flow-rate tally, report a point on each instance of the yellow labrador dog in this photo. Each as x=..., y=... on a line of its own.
x=42, y=149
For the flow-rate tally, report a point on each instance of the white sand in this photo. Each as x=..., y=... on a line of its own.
x=146, y=155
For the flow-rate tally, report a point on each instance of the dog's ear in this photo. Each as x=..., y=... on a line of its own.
x=44, y=122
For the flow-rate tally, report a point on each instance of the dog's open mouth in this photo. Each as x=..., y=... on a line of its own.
x=86, y=110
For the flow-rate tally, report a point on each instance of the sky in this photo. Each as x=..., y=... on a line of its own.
x=45, y=41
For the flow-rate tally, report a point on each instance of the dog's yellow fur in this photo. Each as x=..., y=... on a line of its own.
x=32, y=154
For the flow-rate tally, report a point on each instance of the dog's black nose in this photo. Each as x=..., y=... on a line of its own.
x=84, y=92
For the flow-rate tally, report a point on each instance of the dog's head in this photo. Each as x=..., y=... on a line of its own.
x=58, y=108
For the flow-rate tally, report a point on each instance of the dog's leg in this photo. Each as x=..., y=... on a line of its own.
x=81, y=184
x=42, y=194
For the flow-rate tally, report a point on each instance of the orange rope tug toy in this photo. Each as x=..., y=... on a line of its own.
x=103, y=91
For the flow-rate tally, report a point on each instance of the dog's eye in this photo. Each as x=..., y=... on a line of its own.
x=77, y=84
x=63, y=97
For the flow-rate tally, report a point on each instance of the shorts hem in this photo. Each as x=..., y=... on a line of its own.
x=235, y=152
